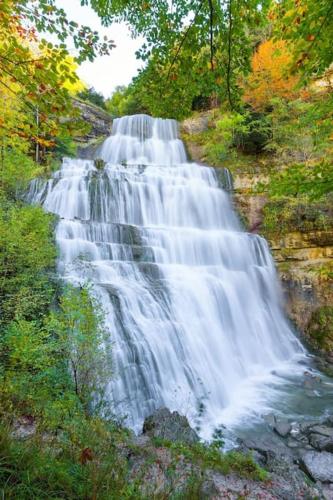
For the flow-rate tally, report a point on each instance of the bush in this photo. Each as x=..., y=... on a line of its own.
x=78, y=326
x=27, y=255
x=296, y=214
x=56, y=367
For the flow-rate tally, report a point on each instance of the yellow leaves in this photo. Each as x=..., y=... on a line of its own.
x=44, y=142
x=72, y=83
x=270, y=74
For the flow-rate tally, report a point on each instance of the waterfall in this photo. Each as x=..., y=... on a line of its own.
x=192, y=301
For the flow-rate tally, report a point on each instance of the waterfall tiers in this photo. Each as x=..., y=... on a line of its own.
x=192, y=302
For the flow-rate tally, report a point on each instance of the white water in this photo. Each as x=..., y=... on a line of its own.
x=193, y=303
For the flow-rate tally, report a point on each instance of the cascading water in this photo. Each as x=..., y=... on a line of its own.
x=192, y=302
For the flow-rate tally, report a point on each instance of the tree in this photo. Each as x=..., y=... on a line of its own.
x=126, y=101
x=212, y=34
x=79, y=327
x=308, y=25
x=91, y=95
x=269, y=77
x=39, y=74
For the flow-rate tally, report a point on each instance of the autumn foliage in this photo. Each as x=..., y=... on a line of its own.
x=269, y=77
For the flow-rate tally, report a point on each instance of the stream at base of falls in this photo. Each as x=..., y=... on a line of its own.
x=192, y=302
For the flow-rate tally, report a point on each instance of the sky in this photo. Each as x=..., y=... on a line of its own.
x=106, y=72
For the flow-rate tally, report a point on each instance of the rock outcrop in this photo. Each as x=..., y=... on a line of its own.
x=170, y=426
x=99, y=120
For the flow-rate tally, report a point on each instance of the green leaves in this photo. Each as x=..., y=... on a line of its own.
x=192, y=48
x=308, y=24
x=313, y=181
x=78, y=326
x=37, y=77
x=26, y=254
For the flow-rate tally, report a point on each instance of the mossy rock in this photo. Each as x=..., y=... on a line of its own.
x=320, y=328
x=99, y=163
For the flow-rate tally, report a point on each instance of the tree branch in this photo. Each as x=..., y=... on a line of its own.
x=229, y=54
x=211, y=21
x=183, y=39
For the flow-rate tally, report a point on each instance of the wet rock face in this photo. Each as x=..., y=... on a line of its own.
x=169, y=426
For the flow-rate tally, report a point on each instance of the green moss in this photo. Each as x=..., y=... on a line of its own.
x=320, y=328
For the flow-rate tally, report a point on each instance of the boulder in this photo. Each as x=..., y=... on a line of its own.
x=318, y=465
x=268, y=445
x=100, y=121
x=322, y=443
x=323, y=430
x=282, y=428
x=169, y=426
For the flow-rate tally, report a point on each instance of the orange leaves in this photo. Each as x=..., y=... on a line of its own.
x=46, y=143
x=270, y=75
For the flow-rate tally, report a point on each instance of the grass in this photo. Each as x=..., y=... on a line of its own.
x=210, y=457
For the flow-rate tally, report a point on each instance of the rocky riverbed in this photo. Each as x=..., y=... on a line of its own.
x=297, y=456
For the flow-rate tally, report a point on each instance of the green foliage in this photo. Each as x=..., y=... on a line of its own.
x=16, y=171
x=211, y=457
x=308, y=25
x=55, y=368
x=313, y=181
x=91, y=95
x=230, y=134
x=320, y=328
x=300, y=129
x=296, y=214
x=79, y=328
x=81, y=463
x=64, y=146
x=27, y=254
x=34, y=378
x=193, y=49
x=125, y=101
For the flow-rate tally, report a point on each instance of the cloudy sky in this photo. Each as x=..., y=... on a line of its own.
x=106, y=72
